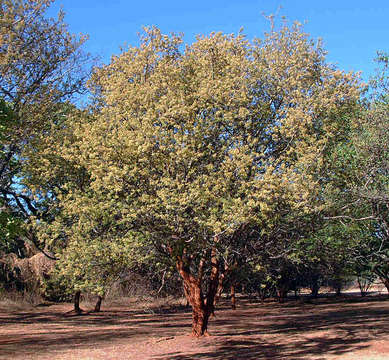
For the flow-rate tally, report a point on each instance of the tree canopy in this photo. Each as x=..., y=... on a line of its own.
x=41, y=68
x=191, y=145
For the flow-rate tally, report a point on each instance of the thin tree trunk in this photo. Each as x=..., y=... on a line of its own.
x=220, y=285
x=282, y=293
x=361, y=286
x=233, y=299
x=98, y=303
x=315, y=288
x=218, y=292
x=386, y=283
x=77, y=308
x=262, y=294
x=186, y=294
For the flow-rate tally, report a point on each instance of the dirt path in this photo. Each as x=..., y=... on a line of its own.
x=352, y=329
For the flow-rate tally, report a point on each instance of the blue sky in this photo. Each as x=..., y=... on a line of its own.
x=352, y=31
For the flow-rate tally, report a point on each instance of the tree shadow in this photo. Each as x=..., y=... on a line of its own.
x=261, y=349
x=44, y=331
x=253, y=331
x=294, y=332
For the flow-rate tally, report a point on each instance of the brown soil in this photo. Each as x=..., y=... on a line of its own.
x=347, y=328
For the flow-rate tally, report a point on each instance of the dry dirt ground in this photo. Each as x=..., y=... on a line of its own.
x=347, y=328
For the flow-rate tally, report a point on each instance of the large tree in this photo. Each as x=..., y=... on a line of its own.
x=192, y=146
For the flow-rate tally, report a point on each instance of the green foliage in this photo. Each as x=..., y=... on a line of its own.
x=10, y=223
x=11, y=228
x=197, y=154
x=195, y=144
x=357, y=193
x=41, y=68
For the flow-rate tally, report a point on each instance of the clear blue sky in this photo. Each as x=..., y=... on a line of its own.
x=352, y=30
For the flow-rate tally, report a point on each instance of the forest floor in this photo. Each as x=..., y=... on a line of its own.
x=349, y=327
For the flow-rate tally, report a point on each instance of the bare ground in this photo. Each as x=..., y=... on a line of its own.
x=347, y=328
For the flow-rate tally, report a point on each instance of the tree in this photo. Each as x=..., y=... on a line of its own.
x=190, y=147
x=41, y=69
x=92, y=249
x=371, y=190
x=358, y=192
x=98, y=252
x=10, y=222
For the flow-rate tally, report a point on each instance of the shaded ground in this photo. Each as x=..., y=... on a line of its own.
x=350, y=328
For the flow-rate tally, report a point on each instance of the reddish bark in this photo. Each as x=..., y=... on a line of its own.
x=233, y=299
x=202, y=306
x=282, y=292
x=98, y=303
x=219, y=290
x=220, y=285
x=77, y=308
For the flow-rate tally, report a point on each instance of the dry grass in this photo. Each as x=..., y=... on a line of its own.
x=16, y=300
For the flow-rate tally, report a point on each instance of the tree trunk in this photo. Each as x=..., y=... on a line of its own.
x=315, y=292
x=77, y=308
x=200, y=315
x=195, y=297
x=218, y=292
x=361, y=285
x=262, y=294
x=98, y=303
x=202, y=306
x=220, y=285
x=296, y=294
x=233, y=299
x=315, y=289
x=186, y=295
x=282, y=292
x=385, y=281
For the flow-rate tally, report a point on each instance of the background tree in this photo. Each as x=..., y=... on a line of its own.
x=371, y=191
x=359, y=188
x=41, y=68
x=10, y=220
